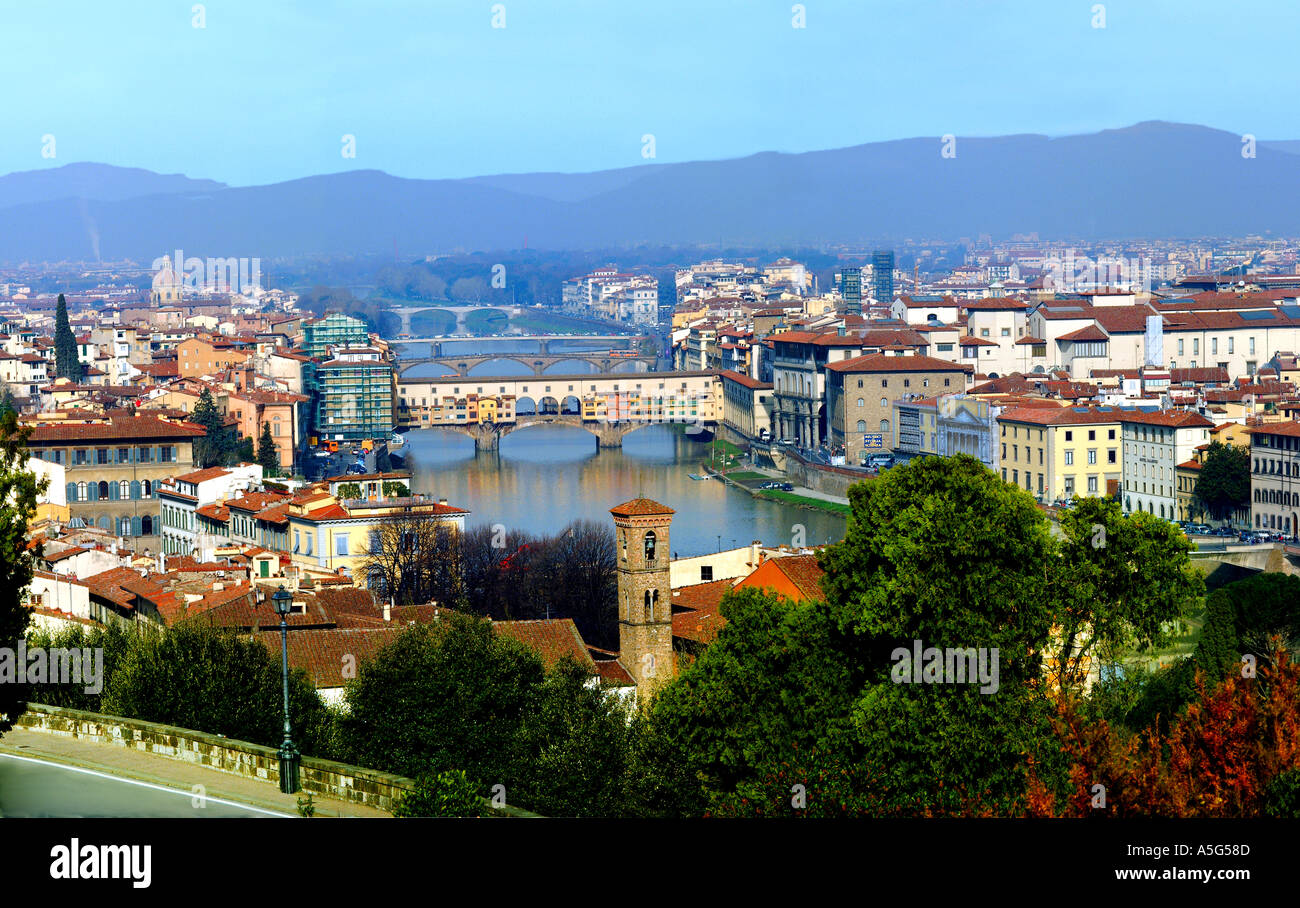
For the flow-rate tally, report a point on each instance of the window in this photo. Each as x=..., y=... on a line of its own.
x=1110, y=456
x=947, y=382
x=1111, y=435
x=1230, y=343
x=650, y=540
x=1006, y=332
x=1092, y=485
x=101, y=455
x=297, y=541
x=884, y=402
x=862, y=425
x=340, y=543
x=166, y=453
x=1092, y=435
x=860, y=402
x=884, y=427
x=706, y=573
x=80, y=456
x=984, y=332
x=1069, y=486
x=1180, y=346
x=1069, y=435
x=1069, y=458
x=124, y=489
x=1092, y=455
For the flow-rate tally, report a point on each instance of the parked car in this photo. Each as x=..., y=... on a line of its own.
x=786, y=487
x=770, y=484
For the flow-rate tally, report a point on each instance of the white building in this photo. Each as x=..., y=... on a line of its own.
x=182, y=496
x=1155, y=443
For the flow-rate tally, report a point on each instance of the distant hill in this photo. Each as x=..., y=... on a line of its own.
x=1154, y=179
x=100, y=182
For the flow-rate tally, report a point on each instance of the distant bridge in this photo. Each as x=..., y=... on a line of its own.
x=538, y=362
x=544, y=341
x=682, y=398
x=487, y=436
x=405, y=312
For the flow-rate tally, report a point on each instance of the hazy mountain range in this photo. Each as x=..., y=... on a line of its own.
x=1154, y=179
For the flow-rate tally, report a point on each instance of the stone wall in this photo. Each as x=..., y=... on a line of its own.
x=827, y=480
x=322, y=777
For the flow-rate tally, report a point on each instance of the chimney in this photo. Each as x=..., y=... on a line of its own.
x=442, y=501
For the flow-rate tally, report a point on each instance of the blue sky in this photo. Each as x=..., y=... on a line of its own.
x=266, y=90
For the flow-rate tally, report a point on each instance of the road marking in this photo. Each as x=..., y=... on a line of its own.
x=175, y=791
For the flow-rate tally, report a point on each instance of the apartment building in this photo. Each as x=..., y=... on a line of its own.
x=1060, y=452
x=355, y=395
x=113, y=466
x=1155, y=444
x=860, y=395
x=1275, y=477
x=945, y=425
x=180, y=498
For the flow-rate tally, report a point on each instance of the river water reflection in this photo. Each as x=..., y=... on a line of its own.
x=545, y=476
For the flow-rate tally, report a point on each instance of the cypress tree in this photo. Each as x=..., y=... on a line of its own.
x=66, y=364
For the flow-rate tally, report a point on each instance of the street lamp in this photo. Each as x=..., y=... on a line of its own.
x=288, y=754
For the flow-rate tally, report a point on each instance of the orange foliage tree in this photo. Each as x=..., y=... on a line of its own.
x=1217, y=761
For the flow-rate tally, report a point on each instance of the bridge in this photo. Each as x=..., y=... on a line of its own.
x=620, y=402
x=487, y=436
x=405, y=312
x=538, y=362
x=543, y=341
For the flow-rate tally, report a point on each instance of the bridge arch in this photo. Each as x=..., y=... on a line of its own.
x=525, y=406
x=570, y=405
x=549, y=406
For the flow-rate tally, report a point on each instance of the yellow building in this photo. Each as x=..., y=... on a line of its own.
x=1061, y=452
x=326, y=534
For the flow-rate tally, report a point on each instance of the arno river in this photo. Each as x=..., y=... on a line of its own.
x=545, y=476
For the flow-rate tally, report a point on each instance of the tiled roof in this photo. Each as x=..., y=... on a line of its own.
x=641, y=507
x=1179, y=419
x=1058, y=416
x=552, y=639
x=1086, y=333
x=879, y=362
x=143, y=428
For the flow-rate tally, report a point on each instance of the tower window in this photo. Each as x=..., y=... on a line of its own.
x=650, y=546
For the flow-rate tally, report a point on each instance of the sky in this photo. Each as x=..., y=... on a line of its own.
x=266, y=90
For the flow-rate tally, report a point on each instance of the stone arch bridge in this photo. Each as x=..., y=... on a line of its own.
x=487, y=436
x=603, y=361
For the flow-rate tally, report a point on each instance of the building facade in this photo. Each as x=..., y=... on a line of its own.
x=1275, y=477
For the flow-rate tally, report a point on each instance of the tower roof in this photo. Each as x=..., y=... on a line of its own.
x=641, y=507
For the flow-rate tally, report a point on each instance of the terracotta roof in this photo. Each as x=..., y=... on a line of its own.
x=203, y=475
x=641, y=507
x=745, y=380
x=1086, y=333
x=143, y=428
x=552, y=639
x=1180, y=419
x=879, y=362
x=1059, y=416
x=699, y=618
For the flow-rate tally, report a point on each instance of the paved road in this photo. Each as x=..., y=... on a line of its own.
x=35, y=788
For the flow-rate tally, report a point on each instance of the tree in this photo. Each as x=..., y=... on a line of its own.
x=349, y=491
x=214, y=448
x=415, y=559
x=941, y=552
x=243, y=452
x=7, y=403
x=457, y=696
x=66, y=364
x=1235, y=753
x=268, y=452
x=393, y=489
x=443, y=794
x=19, y=489
x=210, y=679
x=1119, y=581
x=1223, y=484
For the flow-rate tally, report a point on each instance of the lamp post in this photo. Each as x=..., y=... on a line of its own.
x=288, y=754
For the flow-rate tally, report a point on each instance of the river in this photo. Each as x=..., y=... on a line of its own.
x=546, y=476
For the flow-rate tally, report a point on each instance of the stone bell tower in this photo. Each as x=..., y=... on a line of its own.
x=645, y=620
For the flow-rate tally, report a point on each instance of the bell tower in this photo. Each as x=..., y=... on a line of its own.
x=645, y=620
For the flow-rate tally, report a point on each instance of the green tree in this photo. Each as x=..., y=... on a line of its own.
x=940, y=551
x=66, y=364
x=268, y=452
x=349, y=491
x=393, y=489
x=19, y=489
x=213, y=449
x=198, y=676
x=457, y=696
x=242, y=452
x=7, y=403
x=443, y=794
x=1119, y=583
x=1223, y=484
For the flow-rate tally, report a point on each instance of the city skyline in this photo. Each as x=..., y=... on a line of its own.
x=225, y=92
